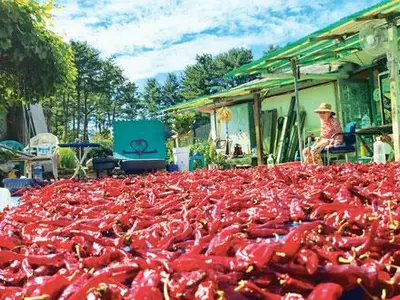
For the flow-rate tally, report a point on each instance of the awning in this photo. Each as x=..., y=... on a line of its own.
x=229, y=95
x=327, y=45
x=323, y=46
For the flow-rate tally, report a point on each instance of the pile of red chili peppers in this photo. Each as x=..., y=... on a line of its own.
x=280, y=233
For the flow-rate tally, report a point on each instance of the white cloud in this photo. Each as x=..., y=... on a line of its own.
x=165, y=35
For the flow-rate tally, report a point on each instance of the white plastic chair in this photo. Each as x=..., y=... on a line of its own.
x=5, y=198
x=44, y=146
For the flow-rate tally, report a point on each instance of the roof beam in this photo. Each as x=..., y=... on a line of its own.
x=340, y=37
x=315, y=76
x=335, y=51
x=379, y=16
x=280, y=58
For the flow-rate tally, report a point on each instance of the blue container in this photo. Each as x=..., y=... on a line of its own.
x=38, y=171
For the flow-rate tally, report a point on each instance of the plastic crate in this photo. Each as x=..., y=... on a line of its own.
x=13, y=184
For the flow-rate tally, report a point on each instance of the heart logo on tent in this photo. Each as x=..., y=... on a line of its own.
x=139, y=146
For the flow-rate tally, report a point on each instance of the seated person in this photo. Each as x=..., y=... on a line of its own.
x=329, y=127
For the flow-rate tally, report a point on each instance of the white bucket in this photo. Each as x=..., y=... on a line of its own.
x=181, y=158
x=5, y=198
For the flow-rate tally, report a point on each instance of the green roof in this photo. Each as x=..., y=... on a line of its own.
x=244, y=89
x=319, y=47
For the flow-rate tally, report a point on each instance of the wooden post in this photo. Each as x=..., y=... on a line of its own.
x=296, y=93
x=257, y=125
x=393, y=59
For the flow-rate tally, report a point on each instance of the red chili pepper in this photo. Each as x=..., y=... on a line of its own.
x=254, y=232
x=206, y=290
x=178, y=283
x=144, y=286
x=346, y=242
x=331, y=256
x=77, y=282
x=257, y=254
x=49, y=260
x=369, y=240
x=347, y=276
x=9, y=242
x=295, y=284
x=52, y=287
x=310, y=259
x=220, y=244
x=10, y=293
x=249, y=287
x=326, y=291
x=322, y=209
x=26, y=268
x=292, y=242
x=8, y=256
x=12, y=278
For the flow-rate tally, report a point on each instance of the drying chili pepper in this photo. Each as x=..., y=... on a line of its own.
x=310, y=259
x=292, y=242
x=249, y=287
x=10, y=293
x=257, y=254
x=369, y=240
x=206, y=290
x=326, y=291
x=9, y=242
x=178, y=283
x=254, y=232
x=220, y=244
x=145, y=286
x=52, y=286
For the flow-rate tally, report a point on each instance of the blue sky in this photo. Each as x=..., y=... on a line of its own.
x=150, y=38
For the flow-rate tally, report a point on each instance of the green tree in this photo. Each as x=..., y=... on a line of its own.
x=206, y=76
x=131, y=105
x=152, y=99
x=199, y=79
x=88, y=83
x=172, y=91
x=271, y=48
x=226, y=62
x=34, y=61
x=110, y=94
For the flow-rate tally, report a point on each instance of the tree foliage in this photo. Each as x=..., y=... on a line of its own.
x=206, y=76
x=271, y=48
x=34, y=61
x=83, y=93
x=152, y=98
x=101, y=94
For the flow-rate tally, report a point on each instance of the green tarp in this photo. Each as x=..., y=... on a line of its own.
x=139, y=140
x=311, y=49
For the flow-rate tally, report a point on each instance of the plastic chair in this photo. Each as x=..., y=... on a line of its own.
x=44, y=146
x=348, y=145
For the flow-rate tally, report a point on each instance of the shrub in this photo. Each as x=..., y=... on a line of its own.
x=106, y=145
x=67, y=158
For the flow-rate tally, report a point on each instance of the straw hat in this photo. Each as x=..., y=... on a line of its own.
x=324, y=107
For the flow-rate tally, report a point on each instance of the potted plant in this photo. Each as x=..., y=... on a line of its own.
x=220, y=161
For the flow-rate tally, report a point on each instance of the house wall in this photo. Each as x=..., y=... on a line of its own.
x=310, y=99
x=238, y=128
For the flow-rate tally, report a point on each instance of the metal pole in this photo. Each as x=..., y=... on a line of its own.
x=215, y=123
x=393, y=60
x=296, y=94
x=257, y=125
